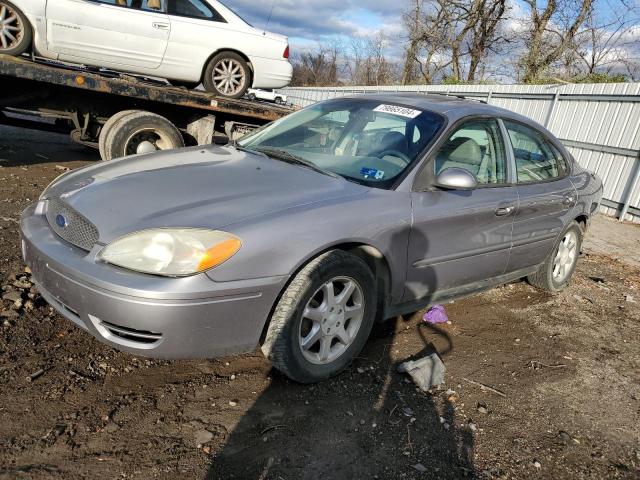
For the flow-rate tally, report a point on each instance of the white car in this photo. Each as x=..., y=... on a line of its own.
x=184, y=41
x=267, y=94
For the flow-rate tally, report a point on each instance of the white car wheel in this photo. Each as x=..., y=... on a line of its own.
x=227, y=75
x=15, y=31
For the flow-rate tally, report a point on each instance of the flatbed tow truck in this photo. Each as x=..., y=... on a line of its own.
x=120, y=114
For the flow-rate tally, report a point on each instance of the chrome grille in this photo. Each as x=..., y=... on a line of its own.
x=76, y=230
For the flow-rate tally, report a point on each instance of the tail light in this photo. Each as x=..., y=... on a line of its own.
x=286, y=52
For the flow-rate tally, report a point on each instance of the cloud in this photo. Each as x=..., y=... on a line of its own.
x=313, y=20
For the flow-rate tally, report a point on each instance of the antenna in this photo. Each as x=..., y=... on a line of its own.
x=273, y=4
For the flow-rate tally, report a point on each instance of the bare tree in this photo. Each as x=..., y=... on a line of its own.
x=603, y=45
x=553, y=30
x=318, y=67
x=367, y=63
x=447, y=37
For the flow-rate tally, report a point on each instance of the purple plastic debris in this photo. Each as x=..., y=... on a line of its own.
x=436, y=314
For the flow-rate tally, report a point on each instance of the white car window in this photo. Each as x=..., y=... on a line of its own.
x=194, y=9
x=148, y=5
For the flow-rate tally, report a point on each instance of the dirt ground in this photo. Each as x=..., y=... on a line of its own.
x=566, y=370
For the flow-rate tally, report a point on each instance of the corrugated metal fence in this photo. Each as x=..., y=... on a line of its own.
x=598, y=123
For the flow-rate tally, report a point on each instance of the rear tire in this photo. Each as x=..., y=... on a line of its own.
x=314, y=334
x=15, y=30
x=556, y=272
x=227, y=75
x=104, y=131
x=136, y=132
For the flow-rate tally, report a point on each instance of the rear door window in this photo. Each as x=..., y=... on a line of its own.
x=537, y=160
x=194, y=9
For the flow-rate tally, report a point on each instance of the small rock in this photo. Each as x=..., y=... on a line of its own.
x=537, y=464
x=9, y=314
x=23, y=284
x=482, y=408
x=420, y=467
x=12, y=296
x=630, y=299
x=233, y=377
x=362, y=422
x=111, y=427
x=407, y=412
x=203, y=437
x=473, y=427
x=233, y=403
x=62, y=168
x=360, y=370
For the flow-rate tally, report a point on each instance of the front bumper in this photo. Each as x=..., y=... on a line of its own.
x=158, y=317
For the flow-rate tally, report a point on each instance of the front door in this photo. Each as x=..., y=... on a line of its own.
x=109, y=33
x=547, y=195
x=460, y=238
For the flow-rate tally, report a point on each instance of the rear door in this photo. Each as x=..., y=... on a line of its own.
x=460, y=238
x=109, y=33
x=547, y=196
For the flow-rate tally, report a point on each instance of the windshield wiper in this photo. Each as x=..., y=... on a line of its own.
x=240, y=148
x=294, y=159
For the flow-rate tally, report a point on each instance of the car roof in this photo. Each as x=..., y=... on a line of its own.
x=448, y=105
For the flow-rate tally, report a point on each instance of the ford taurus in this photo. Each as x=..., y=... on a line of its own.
x=304, y=233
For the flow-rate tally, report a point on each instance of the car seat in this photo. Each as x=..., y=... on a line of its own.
x=460, y=152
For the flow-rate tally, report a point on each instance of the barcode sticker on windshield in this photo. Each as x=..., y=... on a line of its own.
x=395, y=110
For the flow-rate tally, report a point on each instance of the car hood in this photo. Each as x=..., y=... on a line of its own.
x=210, y=187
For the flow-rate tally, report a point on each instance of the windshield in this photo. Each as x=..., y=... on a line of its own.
x=368, y=141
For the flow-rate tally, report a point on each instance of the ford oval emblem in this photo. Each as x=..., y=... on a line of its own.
x=61, y=221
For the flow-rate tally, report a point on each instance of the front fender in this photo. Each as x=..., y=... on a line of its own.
x=280, y=244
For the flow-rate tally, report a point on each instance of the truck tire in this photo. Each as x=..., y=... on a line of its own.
x=227, y=75
x=136, y=132
x=323, y=319
x=104, y=131
x=15, y=34
x=555, y=273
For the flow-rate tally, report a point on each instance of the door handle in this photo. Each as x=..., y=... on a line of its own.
x=504, y=211
x=161, y=26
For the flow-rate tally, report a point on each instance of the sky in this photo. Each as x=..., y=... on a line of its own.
x=308, y=22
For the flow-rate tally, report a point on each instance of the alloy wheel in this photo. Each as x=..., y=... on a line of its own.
x=331, y=320
x=565, y=258
x=229, y=76
x=11, y=28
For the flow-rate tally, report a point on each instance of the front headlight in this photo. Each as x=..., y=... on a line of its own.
x=172, y=252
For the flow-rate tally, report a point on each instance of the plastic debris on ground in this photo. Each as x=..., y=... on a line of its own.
x=426, y=373
x=436, y=315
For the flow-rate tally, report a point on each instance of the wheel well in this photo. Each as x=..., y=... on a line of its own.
x=245, y=58
x=582, y=220
x=374, y=259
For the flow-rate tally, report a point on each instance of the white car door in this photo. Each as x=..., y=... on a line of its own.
x=109, y=33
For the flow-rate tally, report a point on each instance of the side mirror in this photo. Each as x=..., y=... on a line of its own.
x=456, y=179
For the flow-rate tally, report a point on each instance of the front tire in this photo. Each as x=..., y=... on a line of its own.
x=227, y=75
x=15, y=31
x=556, y=272
x=323, y=319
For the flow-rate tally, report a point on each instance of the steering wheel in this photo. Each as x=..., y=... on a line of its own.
x=395, y=153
